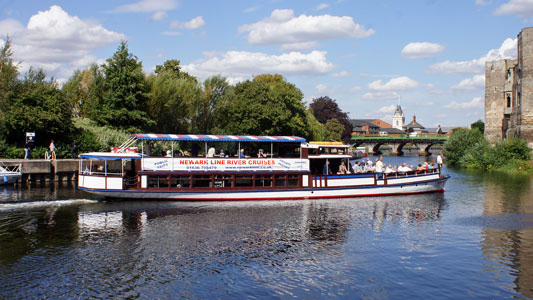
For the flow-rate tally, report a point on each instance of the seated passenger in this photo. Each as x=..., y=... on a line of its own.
x=222, y=153
x=211, y=152
x=358, y=168
x=261, y=154
x=241, y=154
x=389, y=169
x=419, y=168
x=342, y=169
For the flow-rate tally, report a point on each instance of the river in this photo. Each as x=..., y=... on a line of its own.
x=474, y=241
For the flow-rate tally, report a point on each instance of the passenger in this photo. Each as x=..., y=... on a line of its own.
x=369, y=163
x=419, y=169
x=169, y=153
x=241, y=154
x=342, y=169
x=211, y=152
x=404, y=168
x=222, y=153
x=439, y=160
x=358, y=168
x=395, y=168
x=327, y=169
x=389, y=169
x=425, y=166
x=261, y=154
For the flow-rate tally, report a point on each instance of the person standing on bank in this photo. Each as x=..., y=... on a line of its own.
x=52, y=148
x=74, y=149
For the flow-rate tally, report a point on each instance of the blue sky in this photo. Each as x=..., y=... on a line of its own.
x=366, y=55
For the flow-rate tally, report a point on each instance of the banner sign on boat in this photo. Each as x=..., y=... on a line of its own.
x=224, y=164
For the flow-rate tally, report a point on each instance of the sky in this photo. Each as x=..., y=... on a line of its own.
x=427, y=55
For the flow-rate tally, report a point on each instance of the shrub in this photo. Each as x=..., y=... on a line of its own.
x=459, y=143
x=513, y=148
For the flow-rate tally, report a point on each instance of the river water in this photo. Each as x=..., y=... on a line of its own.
x=474, y=241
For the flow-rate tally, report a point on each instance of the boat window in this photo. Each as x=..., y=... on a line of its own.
x=158, y=181
x=293, y=180
x=280, y=180
x=222, y=181
x=313, y=151
x=201, y=181
x=263, y=180
x=178, y=181
x=333, y=150
x=243, y=180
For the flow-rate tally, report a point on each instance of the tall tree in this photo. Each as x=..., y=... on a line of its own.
x=268, y=105
x=84, y=88
x=37, y=105
x=125, y=96
x=208, y=109
x=173, y=66
x=170, y=102
x=8, y=77
x=325, y=108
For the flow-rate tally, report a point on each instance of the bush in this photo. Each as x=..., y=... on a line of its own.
x=459, y=143
x=513, y=148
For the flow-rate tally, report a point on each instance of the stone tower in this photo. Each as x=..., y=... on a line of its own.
x=509, y=93
x=398, y=120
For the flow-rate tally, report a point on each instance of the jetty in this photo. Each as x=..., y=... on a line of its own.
x=45, y=170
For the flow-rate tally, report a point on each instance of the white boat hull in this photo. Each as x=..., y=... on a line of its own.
x=399, y=186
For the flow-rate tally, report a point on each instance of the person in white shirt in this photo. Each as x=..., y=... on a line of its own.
x=439, y=160
x=211, y=152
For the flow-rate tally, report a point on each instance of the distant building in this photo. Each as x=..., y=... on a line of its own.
x=509, y=93
x=382, y=124
x=414, y=126
x=398, y=120
x=372, y=126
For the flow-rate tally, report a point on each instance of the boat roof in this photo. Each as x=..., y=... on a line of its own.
x=111, y=155
x=314, y=144
x=216, y=138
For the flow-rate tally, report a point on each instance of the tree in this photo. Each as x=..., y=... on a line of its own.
x=317, y=132
x=8, y=78
x=459, y=143
x=268, y=105
x=208, y=109
x=334, y=130
x=37, y=105
x=125, y=93
x=325, y=108
x=173, y=66
x=83, y=89
x=170, y=102
x=479, y=125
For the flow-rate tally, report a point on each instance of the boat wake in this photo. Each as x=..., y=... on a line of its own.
x=19, y=206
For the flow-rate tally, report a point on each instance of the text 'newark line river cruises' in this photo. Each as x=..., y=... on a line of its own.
x=229, y=167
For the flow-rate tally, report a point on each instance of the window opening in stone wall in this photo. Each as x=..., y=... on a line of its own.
x=508, y=101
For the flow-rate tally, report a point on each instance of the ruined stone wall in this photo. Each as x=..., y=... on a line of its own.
x=495, y=77
x=525, y=86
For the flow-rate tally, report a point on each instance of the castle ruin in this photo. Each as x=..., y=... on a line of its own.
x=509, y=93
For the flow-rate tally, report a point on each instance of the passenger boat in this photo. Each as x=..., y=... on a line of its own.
x=290, y=168
x=9, y=174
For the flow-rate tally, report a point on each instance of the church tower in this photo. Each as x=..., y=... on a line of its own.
x=398, y=120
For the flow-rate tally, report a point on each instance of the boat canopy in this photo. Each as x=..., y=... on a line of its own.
x=111, y=155
x=216, y=138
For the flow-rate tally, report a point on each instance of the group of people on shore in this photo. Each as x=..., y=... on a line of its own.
x=380, y=167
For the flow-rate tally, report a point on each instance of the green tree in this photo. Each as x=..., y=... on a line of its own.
x=37, y=105
x=173, y=66
x=479, y=125
x=334, y=130
x=325, y=109
x=267, y=105
x=125, y=93
x=8, y=79
x=459, y=142
x=170, y=102
x=84, y=88
x=208, y=109
x=317, y=131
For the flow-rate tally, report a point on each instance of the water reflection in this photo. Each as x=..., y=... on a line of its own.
x=508, y=228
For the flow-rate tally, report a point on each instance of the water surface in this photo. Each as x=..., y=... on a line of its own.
x=475, y=241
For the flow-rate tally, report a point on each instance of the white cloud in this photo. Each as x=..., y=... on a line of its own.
x=242, y=64
x=147, y=6
x=322, y=6
x=355, y=89
x=482, y=2
x=282, y=27
x=476, y=66
x=10, y=27
x=523, y=8
x=299, y=46
x=475, y=83
x=475, y=103
x=58, y=42
x=380, y=96
x=159, y=15
x=387, y=109
x=417, y=50
x=342, y=74
x=191, y=25
x=395, y=84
